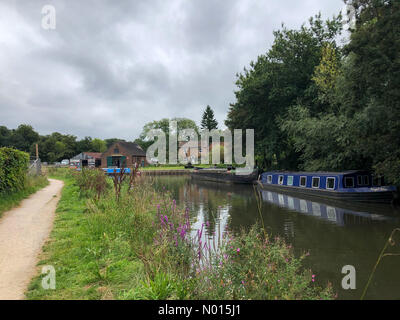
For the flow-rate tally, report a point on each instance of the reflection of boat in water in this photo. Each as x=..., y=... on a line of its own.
x=224, y=175
x=335, y=212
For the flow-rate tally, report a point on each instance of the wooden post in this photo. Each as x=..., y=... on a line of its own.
x=37, y=151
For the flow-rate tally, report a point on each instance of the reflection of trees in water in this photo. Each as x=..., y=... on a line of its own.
x=206, y=204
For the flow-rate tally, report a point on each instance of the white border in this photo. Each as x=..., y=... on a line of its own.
x=334, y=183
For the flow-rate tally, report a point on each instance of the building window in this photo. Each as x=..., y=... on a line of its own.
x=269, y=179
x=366, y=180
x=280, y=180
x=349, y=182
x=330, y=183
x=289, y=180
x=116, y=150
x=359, y=180
x=303, y=181
x=315, y=182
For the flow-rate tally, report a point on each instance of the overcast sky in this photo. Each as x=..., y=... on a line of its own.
x=111, y=66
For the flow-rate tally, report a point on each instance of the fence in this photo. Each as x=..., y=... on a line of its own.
x=35, y=167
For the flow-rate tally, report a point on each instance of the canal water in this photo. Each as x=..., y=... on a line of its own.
x=335, y=234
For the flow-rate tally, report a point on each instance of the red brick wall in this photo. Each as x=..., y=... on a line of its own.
x=130, y=159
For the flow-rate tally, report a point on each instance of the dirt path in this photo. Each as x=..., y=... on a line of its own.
x=23, y=231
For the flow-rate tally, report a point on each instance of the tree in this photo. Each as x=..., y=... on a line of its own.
x=208, y=121
x=278, y=80
x=164, y=126
x=23, y=137
x=98, y=145
x=359, y=126
x=371, y=84
x=110, y=141
x=5, y=136
x=85, y=145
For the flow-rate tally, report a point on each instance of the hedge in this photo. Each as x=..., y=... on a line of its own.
x=13, y=169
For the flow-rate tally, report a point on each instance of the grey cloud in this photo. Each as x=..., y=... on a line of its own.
x=111, y=66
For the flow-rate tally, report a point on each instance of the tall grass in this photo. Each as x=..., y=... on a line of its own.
x=141, y=245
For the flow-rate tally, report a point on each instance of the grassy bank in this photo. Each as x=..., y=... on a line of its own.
x=140, y=246
x=11, y=200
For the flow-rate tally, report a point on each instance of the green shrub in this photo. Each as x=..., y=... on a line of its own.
x=91, y=181
x=251, y=266
x=13, y=170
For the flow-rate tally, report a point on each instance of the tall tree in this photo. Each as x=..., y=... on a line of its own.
x=279, y=79
x=164, y=125
x=23, y=137
x=208, y=120
x=98, y=145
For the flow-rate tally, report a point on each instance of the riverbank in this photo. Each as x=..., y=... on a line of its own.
x=11, y=200
x=142, y=246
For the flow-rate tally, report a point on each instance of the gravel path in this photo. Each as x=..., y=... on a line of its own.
x=23, y=231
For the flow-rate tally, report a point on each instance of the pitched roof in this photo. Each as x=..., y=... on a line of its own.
x=133, y=148
x=95, y=155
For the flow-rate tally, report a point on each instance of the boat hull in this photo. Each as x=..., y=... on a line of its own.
x=378, y=196
x=225, y=177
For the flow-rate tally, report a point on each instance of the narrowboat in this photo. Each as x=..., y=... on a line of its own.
x=355, y=185
x=224, y=175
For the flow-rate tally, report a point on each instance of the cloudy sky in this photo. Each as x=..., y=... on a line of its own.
x=111, y=66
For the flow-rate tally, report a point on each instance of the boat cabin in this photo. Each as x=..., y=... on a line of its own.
x=323, y=180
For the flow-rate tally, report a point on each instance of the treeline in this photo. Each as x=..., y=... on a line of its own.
x=57, y=146
x=53, y=147
x=318, y=105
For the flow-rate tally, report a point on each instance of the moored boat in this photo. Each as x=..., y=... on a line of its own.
x=225, y=175
x=356, y=185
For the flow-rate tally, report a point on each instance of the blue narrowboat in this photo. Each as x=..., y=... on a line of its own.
x=354, y=185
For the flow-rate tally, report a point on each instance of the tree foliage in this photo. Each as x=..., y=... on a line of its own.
x=208, y=120
x=13, y=169
x=315, y=105
x=278, y=80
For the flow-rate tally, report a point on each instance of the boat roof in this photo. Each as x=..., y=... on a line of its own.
x=324, y=173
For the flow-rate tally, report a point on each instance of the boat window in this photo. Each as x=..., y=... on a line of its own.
x=303, y=181
x=330, y=183
x=289, y=180
x=315, y=182
x=349, y=182
x=366, y=180
x=269, y=179
x=280, y=180
x=377, y=181
x=359, y=180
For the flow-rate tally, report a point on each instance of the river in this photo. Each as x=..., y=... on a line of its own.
x=334, y=233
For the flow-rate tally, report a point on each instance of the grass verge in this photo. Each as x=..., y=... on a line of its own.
x=140, y=245
x=11, y=200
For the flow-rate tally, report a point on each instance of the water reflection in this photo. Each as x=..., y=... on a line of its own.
x=335, y=233
x=338, y=214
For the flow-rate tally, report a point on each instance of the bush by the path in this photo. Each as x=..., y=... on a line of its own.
x=13, y=169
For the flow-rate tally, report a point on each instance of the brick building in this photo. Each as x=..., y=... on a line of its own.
x=125, y=154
